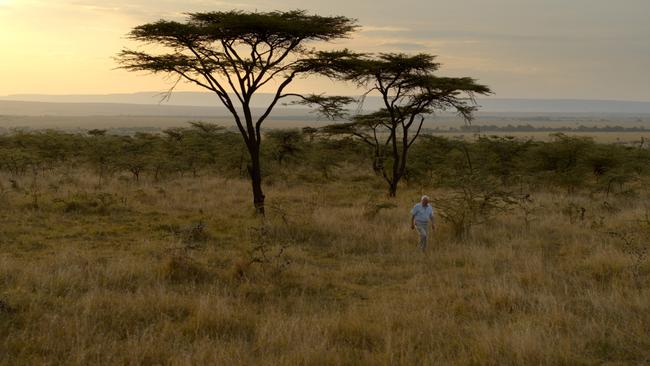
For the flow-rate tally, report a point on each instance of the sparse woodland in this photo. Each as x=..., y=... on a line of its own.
x=145, y=249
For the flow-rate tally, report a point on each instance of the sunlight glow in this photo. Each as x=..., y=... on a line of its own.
x=520, y=48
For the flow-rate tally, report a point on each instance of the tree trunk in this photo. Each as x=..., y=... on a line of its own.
x=378, y=161
x=392, y=189
x=395, y=171
x=255, y=171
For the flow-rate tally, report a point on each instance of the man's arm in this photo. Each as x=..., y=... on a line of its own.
x=412, y=221
x=433, y=221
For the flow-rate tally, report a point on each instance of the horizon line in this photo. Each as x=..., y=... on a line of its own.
x=576, y=99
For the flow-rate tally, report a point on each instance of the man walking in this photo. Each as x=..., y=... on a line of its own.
x=421, y=214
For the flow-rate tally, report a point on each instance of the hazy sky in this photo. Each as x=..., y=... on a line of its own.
x=585, y=49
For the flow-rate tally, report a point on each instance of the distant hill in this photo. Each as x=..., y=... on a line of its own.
x=205, y=104
x=16, y=108
x=196, y=99
x=561, y=106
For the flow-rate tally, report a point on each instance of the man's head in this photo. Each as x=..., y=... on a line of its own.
x=424, y=200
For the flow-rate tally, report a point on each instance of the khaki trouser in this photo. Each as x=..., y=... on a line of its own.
x=423, y=230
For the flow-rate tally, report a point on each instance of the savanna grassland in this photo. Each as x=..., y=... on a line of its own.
x=540, y=254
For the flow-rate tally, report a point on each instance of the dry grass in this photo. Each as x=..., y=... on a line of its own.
x=118, y=280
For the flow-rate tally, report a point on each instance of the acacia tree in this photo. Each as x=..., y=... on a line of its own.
x=410, y=92
x=285, y=144
x=234, y=54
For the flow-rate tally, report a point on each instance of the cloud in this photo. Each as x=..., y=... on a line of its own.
x=405, y=46
x=147, y=10
x=383, y=29
x=100, y=8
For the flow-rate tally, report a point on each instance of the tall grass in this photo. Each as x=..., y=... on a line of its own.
x=115, y=275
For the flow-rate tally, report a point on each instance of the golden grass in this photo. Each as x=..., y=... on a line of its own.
x=123, y=283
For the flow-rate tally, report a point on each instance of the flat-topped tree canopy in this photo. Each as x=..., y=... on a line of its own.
x=407, y=84
x=249, y=49
x=406, y=81
x=443, y=93
x=366, y=68
x=276, y=29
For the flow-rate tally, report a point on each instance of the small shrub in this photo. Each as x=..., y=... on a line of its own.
x=190, y=236
x=635, y=246
x=194, y=235
x=475, y=202
x=527, y=208
x=182, y=269
x=575, y=212
x=266, y=253
x=241, y=269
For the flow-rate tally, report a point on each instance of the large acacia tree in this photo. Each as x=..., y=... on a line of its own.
x=234, y=54
x=410, y=92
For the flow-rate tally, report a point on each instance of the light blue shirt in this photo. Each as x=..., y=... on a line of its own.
x=422, y=214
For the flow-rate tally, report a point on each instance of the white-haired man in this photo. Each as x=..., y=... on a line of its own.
x=421, y=215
